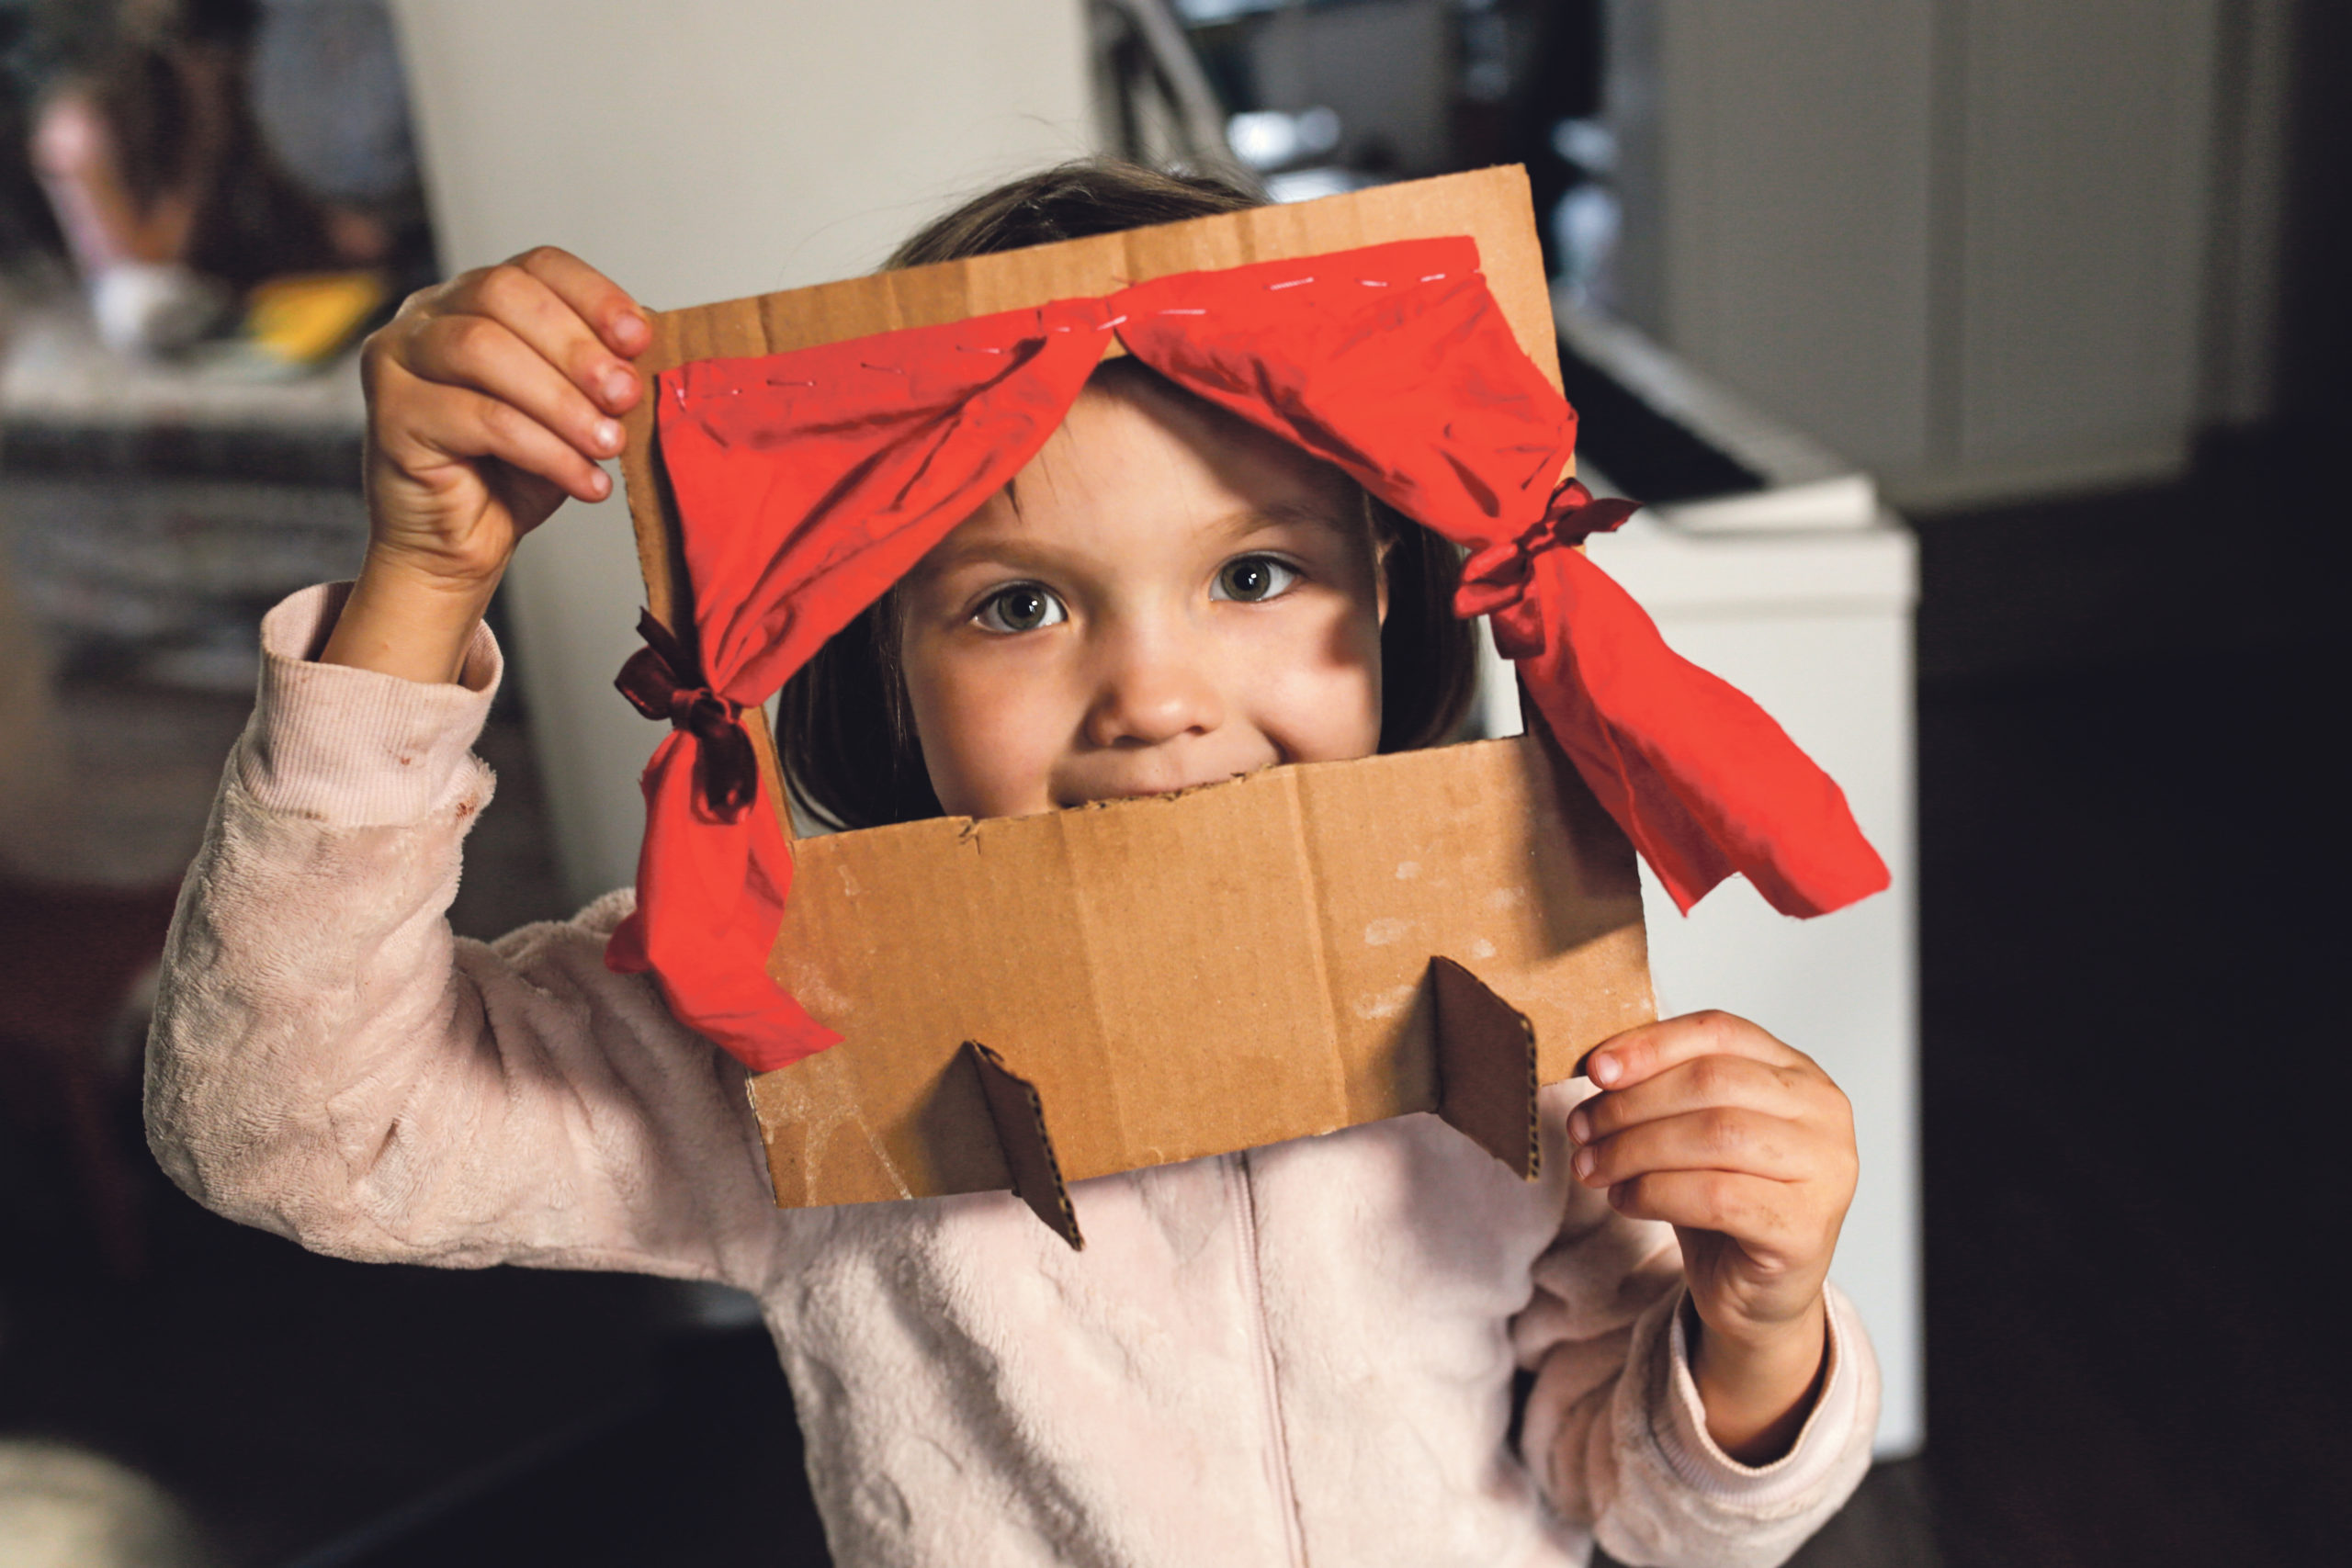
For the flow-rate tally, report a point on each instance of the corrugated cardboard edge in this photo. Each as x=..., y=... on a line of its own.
x=1486, y=1067
x=1019, y=1113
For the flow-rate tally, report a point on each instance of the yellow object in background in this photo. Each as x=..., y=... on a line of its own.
x=307, y=317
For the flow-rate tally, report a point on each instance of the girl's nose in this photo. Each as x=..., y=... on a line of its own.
x=1154, y=692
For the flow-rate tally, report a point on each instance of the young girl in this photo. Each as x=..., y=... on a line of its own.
x=1304, y=1353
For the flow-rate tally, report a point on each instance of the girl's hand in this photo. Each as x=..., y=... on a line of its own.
x=1747, y=1148
x=489, y=400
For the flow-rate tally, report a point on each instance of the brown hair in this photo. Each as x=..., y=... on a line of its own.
x=851, y=757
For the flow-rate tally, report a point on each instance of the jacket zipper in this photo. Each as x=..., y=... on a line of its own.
x=1245, y=1214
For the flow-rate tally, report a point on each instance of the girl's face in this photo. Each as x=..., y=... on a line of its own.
x=1165, y=596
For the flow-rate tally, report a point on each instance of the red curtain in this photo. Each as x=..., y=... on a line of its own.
x=808, y=482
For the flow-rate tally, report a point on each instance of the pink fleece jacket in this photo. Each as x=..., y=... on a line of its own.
x=1303, y=1354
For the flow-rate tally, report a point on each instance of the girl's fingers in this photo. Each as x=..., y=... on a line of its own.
x=482, y=356
x=594, y=298
x=1719, y=1138
x=1767, y=1218
x=1626, y=1059
x=1706, y=1082
x=511, y=296
x=458, y=422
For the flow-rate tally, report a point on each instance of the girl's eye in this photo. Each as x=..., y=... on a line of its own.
x=1023, y=608
x=1252, y=579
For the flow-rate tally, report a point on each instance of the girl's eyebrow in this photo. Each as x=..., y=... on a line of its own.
x=959, y=550
x=956, y=554
x=1286, y=514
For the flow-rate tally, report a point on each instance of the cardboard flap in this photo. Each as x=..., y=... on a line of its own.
x=1486, y=1067
x=1018, y=1111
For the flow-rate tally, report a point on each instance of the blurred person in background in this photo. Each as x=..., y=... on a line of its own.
x=193, y=149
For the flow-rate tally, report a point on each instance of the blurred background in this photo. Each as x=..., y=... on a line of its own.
x=1980, y=361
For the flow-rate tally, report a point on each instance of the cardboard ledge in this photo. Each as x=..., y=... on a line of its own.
x=1486, y=1067
x=1019, y=1113
x=1487, y=1073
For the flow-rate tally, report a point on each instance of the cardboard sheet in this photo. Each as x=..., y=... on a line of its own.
x=1243, y=963
x=1032, y=1002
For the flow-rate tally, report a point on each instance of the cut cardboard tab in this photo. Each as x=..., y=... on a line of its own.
x=1019, y=1115
x=1486, y=1067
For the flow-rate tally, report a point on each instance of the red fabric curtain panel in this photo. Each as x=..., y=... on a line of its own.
x=808, y=482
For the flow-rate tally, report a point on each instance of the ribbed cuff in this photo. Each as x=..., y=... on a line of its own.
x=354, y=746
x=1821, y=1443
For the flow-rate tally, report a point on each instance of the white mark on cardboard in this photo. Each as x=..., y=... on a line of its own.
x=821, y=1116
x=809, y=989
x=1380, y=933
x=1506, y=898
x=1377, y=1005
x=1407, y=869
x=1482, y=948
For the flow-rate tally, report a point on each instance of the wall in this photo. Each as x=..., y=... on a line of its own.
x=697, y=151
x=2084, y=137
x=1966, y=242
x=1777, y=224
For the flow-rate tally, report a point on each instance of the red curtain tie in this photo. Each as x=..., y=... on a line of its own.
x=661, y=681
x=1495, y=580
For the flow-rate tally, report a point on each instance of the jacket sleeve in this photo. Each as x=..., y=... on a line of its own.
x=1613, y=1430
x=328, y=1063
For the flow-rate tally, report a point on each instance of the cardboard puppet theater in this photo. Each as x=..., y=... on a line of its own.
x=953, y=1005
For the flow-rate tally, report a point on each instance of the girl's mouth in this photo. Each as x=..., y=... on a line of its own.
x=1145, y=791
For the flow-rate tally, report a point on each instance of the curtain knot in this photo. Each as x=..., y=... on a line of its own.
x=661, y=680
x=1495, y=579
